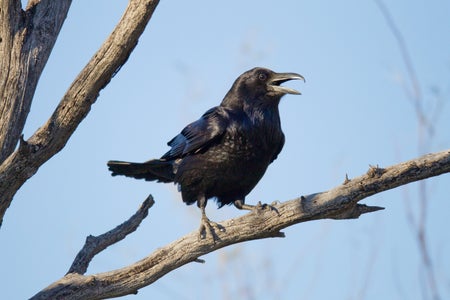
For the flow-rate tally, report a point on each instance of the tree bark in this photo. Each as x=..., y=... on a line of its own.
x=49, y=139
x=338, y=203
x=27, y=38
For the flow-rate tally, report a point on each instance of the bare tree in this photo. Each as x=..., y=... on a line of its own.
x=27, y=37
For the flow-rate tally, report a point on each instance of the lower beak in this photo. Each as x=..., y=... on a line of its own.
x=278, y=78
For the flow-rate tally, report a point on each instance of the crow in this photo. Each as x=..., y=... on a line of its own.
x=226, y=152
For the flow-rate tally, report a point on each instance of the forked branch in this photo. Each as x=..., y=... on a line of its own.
x=76, y=103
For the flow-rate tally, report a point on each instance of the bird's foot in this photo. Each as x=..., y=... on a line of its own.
x=258, y=207
x=263, y=206
x=207, y=229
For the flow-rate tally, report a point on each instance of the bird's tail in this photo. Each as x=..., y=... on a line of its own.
x=157, y=169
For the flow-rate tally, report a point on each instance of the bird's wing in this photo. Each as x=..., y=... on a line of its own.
x=198, y=135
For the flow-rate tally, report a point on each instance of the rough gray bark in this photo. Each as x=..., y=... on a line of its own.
x=23, y=42
x=26, y=41
x=338, y=203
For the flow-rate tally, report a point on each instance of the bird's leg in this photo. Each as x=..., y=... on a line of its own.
x=206, y=225
x=241, y=205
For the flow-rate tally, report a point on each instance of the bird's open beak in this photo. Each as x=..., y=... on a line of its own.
x=278, y=78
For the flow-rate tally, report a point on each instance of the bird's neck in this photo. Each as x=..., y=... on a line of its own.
x=263, y=115
x=260, y=112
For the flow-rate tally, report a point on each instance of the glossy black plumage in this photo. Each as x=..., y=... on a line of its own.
x=225, y=153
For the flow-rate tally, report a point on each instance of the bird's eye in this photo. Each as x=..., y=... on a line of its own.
x=262, y=76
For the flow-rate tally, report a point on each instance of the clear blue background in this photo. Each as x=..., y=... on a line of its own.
x=354, y=111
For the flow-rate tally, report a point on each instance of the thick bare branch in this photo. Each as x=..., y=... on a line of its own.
x=27, y=39
x=76, y=103
x=338, y=203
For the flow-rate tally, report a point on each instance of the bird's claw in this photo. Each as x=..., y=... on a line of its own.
x=276, y=202
x=262, y=206
x=207, y=230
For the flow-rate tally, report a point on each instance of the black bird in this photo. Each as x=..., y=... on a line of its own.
x=226, y=152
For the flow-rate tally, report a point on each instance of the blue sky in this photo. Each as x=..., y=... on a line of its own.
x=354, y=111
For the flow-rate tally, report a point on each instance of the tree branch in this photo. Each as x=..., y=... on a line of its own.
x=96, y=244
x=27, y=39
x=338, y=203
x=76, y=103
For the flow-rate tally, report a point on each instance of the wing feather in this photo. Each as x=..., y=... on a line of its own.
x=198, y=135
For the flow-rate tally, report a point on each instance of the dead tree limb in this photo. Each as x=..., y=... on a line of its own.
x=96, y=244
x=27, y=38
x=338, y=203
x=49, y=139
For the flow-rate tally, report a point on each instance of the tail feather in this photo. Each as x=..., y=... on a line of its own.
x=156, y=169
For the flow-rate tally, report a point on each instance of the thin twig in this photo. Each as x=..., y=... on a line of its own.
x=96, y=244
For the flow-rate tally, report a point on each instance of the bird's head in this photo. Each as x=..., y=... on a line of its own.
x=261, y=85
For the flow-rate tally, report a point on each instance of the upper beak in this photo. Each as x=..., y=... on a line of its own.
x=279, y=78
